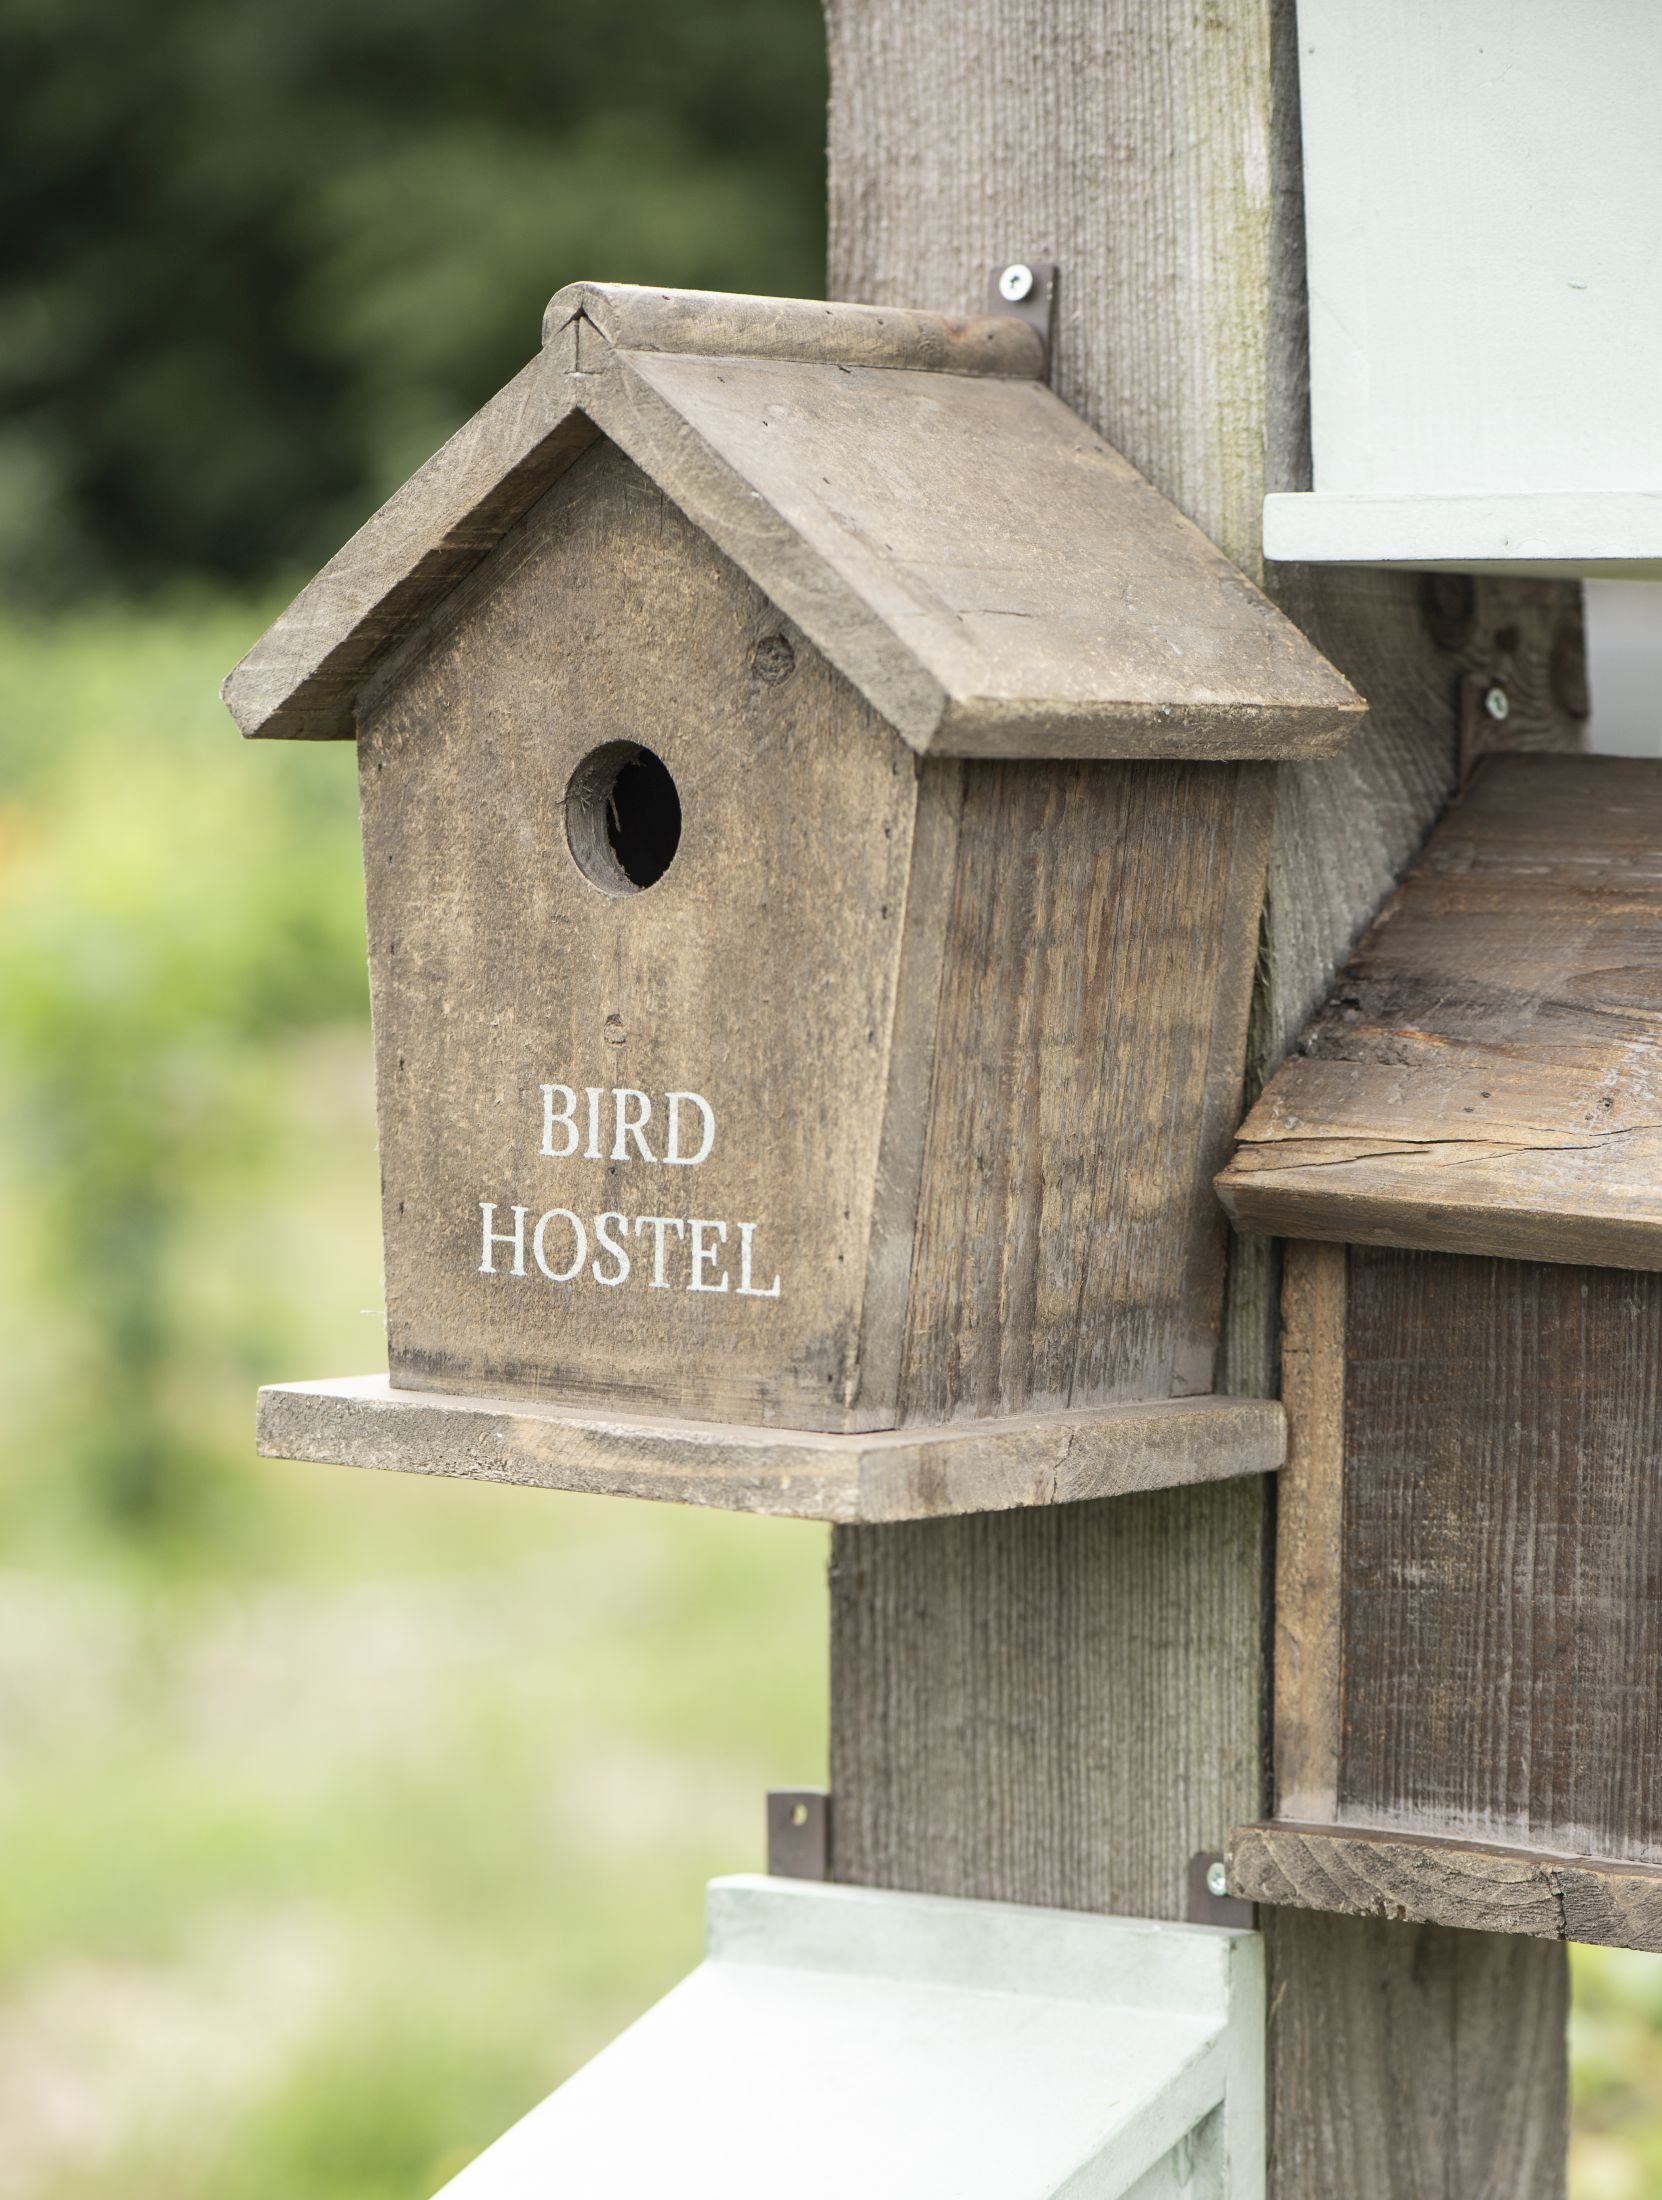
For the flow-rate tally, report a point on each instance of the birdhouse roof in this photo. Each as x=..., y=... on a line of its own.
x=1487, y=1076
x=991, y=576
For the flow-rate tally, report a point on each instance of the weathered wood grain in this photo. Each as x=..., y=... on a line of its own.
x=995, y=1466
x=1501, y=1592
x=301, y=680
x=1068, y=1251
x=1415, y=2061
x=1309, y=1533
x=972, y=1035
x=1362, y=1871
x=706, y=324
x=992, y=577
x=1084, y=1715
x=760, y=973
x=1485, y=1078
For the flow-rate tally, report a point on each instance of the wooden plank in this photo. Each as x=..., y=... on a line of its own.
x=1068, y=1249
x=1485, y=1077
x=1416, y=2061
x=1474, y=1886
x=759, y=976
x=1078, y=1714
x=1054, y=604
x=721, y=324
x=300, y=681
x=1309, y=1533
x=1028, y=1460
x=1500, y=1588
x=992, y=576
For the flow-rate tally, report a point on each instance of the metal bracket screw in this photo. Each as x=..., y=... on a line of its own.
x=1497, y=702
x=1209, y=1899
x=799, y=1833
x=1026, y=289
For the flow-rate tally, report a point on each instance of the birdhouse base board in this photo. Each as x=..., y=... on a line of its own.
x=1425, y=1879
x=895, y=1474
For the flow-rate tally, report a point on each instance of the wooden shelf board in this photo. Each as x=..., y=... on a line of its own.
x=1484, y=1078
x=1427, y=1879
x=897, y=1474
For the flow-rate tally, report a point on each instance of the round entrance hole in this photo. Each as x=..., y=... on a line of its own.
x=623, y=817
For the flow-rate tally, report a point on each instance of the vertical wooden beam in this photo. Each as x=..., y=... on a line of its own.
x=1309, y=1533
x=1064, y=1709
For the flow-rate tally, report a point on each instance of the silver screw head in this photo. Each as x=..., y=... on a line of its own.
x=1497, y=702
x=1016, y=283
x=1217, y=1880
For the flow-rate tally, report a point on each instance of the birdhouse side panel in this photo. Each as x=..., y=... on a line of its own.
x=631, y=1134
x=1090, y=1048
x=1501, y=1552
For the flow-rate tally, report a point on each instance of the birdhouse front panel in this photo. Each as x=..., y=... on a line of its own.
x=631, y=1124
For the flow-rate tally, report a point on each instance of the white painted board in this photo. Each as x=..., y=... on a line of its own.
x=839, y=2040
x=1482, y=184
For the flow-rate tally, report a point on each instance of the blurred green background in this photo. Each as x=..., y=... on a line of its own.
x=339, y=1817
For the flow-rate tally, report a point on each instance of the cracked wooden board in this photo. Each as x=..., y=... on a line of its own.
x=1477, y=1886
x=976, y=1466
x=1487, y=1077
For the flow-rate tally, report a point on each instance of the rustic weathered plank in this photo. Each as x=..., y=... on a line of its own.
x=716, y=324
x=1501, y=1591
x=1416, y=2061
x=757, y=979
x=1072, y=1715
x=1068, y=1251
x=991, y=1466
x=1363, y=1871
x=993, y=578
x=1309, y=1533
x=1484, y=1079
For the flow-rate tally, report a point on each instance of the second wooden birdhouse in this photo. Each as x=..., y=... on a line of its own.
x=1464, y=1150
x=813, y=861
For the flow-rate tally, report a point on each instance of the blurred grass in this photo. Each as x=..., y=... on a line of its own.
x=341, y=1816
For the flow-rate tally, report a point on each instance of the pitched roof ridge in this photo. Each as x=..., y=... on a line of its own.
x=716, y=324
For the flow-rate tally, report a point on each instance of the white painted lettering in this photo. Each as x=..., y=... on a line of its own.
x=747, y=1236
x=704, y=1256
x=579, y=1238
x=609, y=1244
x=514, y=1237
x=625, y=1128
x=591, y=1152
x=672, y=1151
x=658, y=1224
x=563, y=1118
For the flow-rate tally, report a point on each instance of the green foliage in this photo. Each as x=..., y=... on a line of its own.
x=179, y=917
x=1616, y=2151
x=342, y=1815
x=262, y=259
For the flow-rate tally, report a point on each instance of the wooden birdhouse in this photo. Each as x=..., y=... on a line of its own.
x=1466, y=1149
x=814, y=852
x=1480, y=184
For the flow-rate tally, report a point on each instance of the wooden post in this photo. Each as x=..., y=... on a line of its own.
x=1067, y=1707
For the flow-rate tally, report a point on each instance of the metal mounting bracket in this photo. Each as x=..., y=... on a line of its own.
x=1026, y=289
